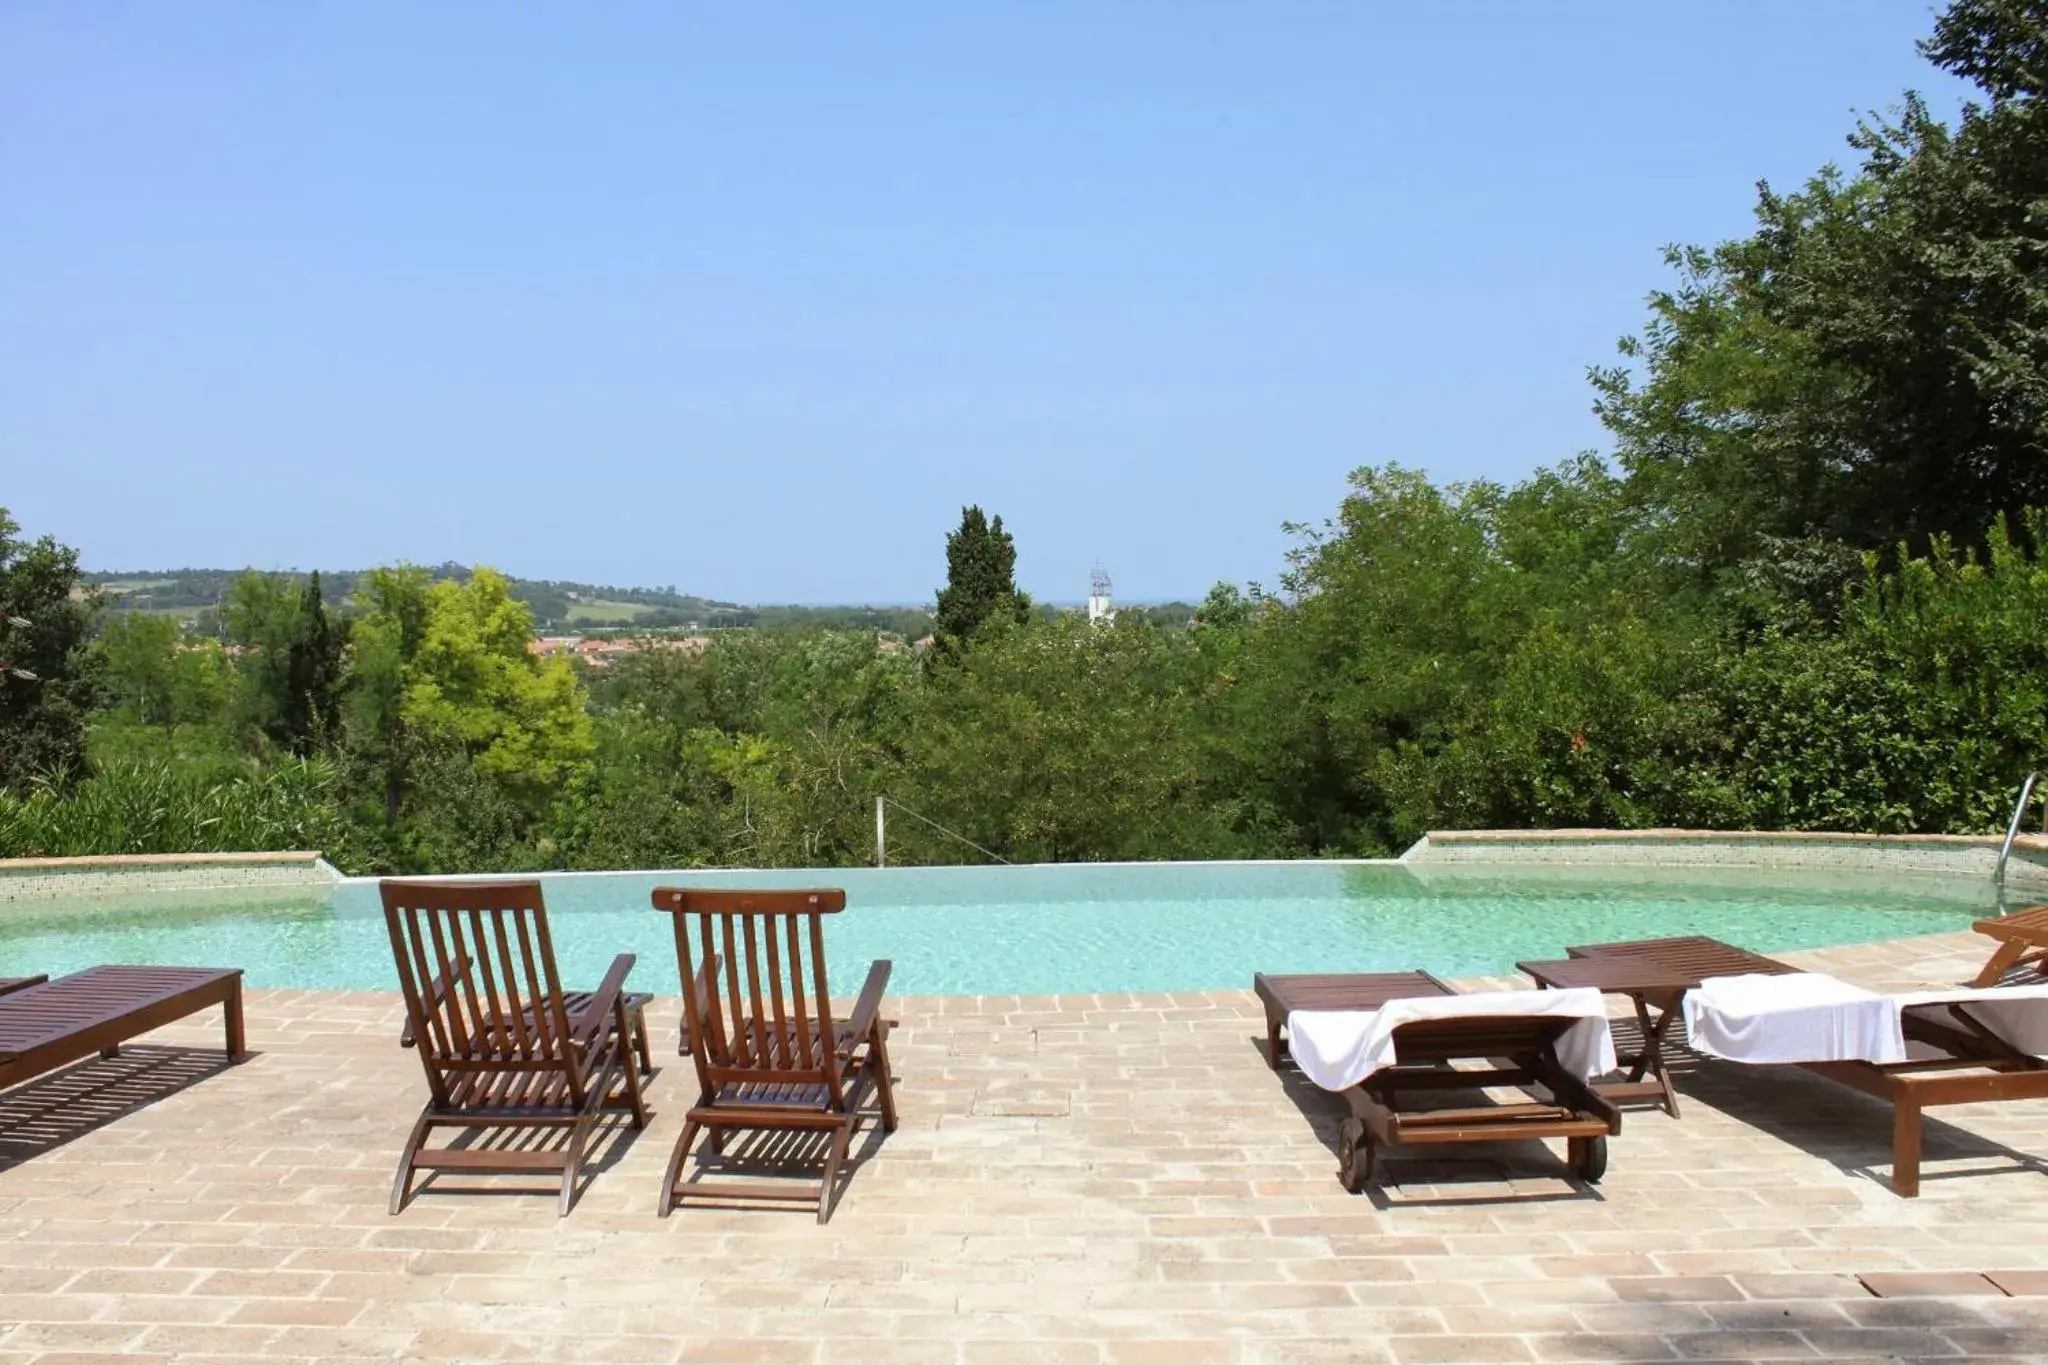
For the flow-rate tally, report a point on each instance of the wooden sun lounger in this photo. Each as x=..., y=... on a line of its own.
x=501, y=1046
x=758, y=1024
x=2022, y=937
x=1977, y=1065
x=11, y=984
x=1520, y=1051
x=47, y=1024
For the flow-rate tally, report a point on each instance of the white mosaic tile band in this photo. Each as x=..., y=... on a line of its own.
x=25, y=879
x=1964, y=855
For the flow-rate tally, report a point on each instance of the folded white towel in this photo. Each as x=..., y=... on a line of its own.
x=1338, y=1049
x=1798, y=1017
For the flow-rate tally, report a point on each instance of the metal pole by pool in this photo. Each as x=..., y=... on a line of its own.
x=881, y=831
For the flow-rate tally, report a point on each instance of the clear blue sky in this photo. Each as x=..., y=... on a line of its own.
x=751, y=298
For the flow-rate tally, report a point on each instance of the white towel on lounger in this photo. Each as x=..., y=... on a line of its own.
x=2016, y=1014
x=1808, y=1017
x=1796, y=1017
x=1338, y=1049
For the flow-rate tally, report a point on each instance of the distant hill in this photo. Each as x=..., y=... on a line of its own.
x=195, y=595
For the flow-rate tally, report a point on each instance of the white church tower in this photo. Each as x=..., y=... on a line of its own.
x=1099, y=605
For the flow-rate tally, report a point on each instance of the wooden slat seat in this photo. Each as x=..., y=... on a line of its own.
x=1975, y=1065
x=48, y=1024
x=1517, y=1051
x=758, y=1025
x=501, y=1043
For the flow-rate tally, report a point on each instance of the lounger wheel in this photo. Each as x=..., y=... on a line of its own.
x=1588, y=1158
x=1357, y=1156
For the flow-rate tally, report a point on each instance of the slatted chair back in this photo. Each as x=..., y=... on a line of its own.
x=755, y=1003
x=485, y=1003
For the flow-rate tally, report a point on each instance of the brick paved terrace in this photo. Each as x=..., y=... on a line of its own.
x=1082, y=1178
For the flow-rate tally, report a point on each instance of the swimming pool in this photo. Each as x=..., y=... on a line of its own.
x=1049, y=930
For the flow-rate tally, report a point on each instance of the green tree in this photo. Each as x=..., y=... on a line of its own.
x=981, y=578
x=293, y=670
x=140, y=653
x=1059, y=741
x=49, y=675
x=473, y=682
x=385, y=638
x=313, y=674
x=461, y=737
x=160, y=679
x=1866, y=367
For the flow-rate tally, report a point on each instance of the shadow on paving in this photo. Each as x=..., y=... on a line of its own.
x=774, y=1156
x=610, y=1141
x=46, y=1113
x=783, y=1166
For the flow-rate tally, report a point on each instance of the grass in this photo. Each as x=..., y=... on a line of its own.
x=598, y=611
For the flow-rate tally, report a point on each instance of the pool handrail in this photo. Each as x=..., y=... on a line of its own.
x=2012, y=832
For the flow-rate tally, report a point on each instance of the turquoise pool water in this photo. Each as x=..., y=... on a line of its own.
x=1045, y=930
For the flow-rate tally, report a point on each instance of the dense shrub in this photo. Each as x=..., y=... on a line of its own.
x=169, y=808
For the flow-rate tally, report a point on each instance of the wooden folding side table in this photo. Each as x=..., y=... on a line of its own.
x=1656, y=992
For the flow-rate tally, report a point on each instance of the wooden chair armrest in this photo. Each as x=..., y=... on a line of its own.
x=604, y=1001
x=862, y=1021
x=437, y=990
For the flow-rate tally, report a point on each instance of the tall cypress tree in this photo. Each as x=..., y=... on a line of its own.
x=312, y=674
x=981, y=582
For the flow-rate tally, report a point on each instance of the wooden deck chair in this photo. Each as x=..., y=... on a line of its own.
x=2022, y=938
x=500, y=1046
x=757, y=1021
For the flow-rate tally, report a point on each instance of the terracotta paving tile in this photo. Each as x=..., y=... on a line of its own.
x=164, y=1309
x=2020, y=1283
x=1781, y=1314
x=1744, y=1345
x=1977, y=1343
x=1907, y=1284
x=1675, y=1289
x=298, y=1312
x=1939, y=1314
x=1790, y=1286
x=1838, y=1342
x=1030, y=1353
x=1463, y=1350
x=1583, y=1346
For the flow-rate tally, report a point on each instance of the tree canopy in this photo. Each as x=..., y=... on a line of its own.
x=981, y=578
x=1867, y=367
x=49, y=679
